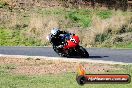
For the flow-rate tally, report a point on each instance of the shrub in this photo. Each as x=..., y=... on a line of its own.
x=102, y=37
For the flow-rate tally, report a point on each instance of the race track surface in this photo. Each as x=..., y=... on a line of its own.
x=105, y=54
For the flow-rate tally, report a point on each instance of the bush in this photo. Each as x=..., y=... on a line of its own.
x=102, y=37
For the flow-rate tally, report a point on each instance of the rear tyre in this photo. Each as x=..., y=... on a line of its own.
x=83, y=52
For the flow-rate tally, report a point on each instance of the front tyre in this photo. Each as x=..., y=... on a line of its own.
x=83, y=52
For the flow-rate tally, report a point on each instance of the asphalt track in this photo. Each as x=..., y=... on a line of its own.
x=105, y=54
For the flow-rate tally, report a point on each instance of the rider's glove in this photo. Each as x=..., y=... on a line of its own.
x=72, y=34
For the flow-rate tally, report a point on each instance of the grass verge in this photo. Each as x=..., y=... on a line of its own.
x=124, y=45
x=61, y=80
x=17, y=38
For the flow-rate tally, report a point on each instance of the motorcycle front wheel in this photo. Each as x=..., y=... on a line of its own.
x=83, y=52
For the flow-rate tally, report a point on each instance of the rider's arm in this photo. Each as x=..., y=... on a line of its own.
x=63, y=32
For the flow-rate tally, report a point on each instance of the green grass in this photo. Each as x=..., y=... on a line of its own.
x=16, y=38
x=83, y=17
x=80, y=17
x=8, y=80
x=123, y=45
x=104, y=14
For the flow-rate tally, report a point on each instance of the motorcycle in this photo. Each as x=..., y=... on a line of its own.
x=71, y=46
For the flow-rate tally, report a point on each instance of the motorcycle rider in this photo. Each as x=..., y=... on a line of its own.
x=56, y=40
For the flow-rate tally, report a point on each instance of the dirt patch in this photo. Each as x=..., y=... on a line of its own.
x=30, y=66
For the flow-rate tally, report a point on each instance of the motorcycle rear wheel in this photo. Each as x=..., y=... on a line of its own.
x=60, y=53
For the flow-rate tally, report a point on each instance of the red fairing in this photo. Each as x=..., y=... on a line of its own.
x=73, y=42
x=77, y=39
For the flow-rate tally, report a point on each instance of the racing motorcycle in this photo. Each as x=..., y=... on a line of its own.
x=71, y=47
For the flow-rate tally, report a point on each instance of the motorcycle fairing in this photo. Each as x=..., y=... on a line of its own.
x=72, y=43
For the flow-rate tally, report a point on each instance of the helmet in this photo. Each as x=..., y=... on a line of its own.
x=54, y=31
